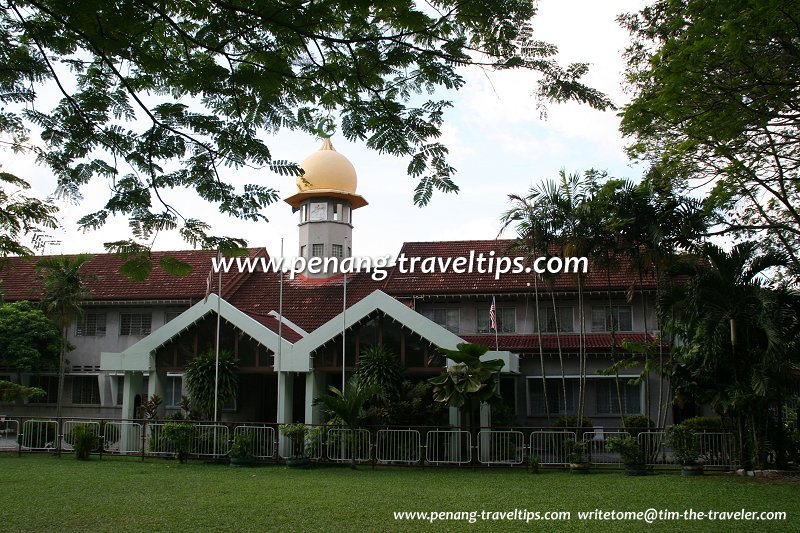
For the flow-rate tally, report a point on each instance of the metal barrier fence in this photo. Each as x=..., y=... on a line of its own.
x=597, y=447
x=448, y=447
x=501, y=447
x=717, y=449
x=39, y=434
x=122, y=437
x=549, y=448
x=398, y=446
x=389, y=446
x=262, y=439
x=349, y=445
x=68, y=439
x=9, y=433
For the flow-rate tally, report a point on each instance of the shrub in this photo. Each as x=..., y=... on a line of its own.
x=296, y=433
x=85, y=441
x=684, y=443
x=628, y=448
x=636, y=424
x=704, y=423
x=180, y=435
x=576, y=451
x=242, y=447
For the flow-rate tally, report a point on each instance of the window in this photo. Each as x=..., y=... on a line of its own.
x=506, y=320
x=303, y=251
x=547, y=320
x=85, y=390
x=555, y=396
x=134, y=323
x=447, y=318
x=608, y=400
x=336, y=250
x=317, y=250
x=619, y=316
x=346, y=214
x=174, y=391
x=304, y=213
x=92, y=325
x=337, y=212
x=50, y=386
x=171, y=315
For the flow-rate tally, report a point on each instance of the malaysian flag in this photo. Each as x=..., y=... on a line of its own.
x=493, y=316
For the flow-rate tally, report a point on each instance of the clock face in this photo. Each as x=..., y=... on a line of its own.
x=319, y=211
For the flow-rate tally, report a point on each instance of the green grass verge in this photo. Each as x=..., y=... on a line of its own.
x=44, y=493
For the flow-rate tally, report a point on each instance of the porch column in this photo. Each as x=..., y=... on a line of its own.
x=132, y=386
x=286, y=388
x=157, y=384
x=314, y=388
x=454, y=416
x=485, y=439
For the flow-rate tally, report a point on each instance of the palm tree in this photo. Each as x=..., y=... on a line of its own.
x=64, y=290
x=735, y=330
x=350, y=407
x=201, y=374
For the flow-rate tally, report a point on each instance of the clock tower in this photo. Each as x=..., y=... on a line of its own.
x=325, y=200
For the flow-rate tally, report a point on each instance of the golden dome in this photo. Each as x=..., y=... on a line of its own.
x=327, y=169
x=327, y=173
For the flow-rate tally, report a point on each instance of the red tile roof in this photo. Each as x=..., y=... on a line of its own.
x=569, y=341
x=450, y=282
x=20, y=280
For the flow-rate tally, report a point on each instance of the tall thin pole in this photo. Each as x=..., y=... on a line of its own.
x=344, y=321
x=216, y=342
x=277, y=363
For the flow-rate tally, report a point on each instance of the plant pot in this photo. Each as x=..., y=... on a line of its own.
x=298, y=462
x=692, y=470
x=635, y=470
x=579, y=468
x=238, y=462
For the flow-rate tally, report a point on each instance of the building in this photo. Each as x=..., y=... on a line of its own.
x=136, y=337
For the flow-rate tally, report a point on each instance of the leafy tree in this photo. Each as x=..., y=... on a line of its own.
x=63, y=292
x=12, y=392
x=163, y=96
x=715, y=101
x=740, y=340
x=379, y=367
x=201, y=374
x=21, y=216
x=29, y=341
x=468, y=382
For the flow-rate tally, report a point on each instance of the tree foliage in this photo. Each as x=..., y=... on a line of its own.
x=716, y=102
x=171, y=95
x=22, y=216
x=29, y=341
x=200, y=378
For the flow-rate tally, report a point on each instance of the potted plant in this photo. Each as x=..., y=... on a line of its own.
x=241, y=452
x=633, y=457
x=576, y=455
x=534, y=461
x=85, y=441
x=296, y=433
x=686, y=449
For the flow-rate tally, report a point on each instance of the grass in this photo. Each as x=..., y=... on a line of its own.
x=44, y=493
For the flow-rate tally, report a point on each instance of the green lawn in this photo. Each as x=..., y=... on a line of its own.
x=43, y=493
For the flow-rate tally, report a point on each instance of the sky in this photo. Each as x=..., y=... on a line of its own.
x=498, y=142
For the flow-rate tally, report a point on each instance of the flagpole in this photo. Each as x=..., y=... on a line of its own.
x=344, y=321
x=216, y=342
x=494, y=312
x=277, y=362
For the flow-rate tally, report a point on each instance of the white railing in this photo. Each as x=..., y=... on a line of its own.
x=549, y=448
x=717, y=449
x=501, y=447
x=39, y=434
x=68, y=441
x=122, y=437
x=263, y=440
x=157, y=444
x=398, y=446
x=210, y=440
x=348, y=445
x=653, y=443
x=9, y=433
x=597, y=447
x=448, y=447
